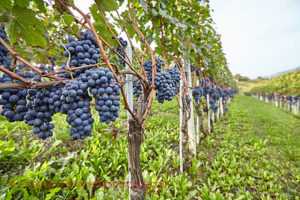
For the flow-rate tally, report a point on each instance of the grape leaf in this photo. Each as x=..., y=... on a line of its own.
x=21, y=3
x=40, y=5
x=52, y=193
x=68, y=19
x=5, y=4
x=24, y=23
x=108, y=5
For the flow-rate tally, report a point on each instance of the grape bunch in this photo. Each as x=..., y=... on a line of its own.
x=106, y=91
x=175, y=77
x=192, y=68
x=39, y=114
x=37, y=106
x=120, y=50
x=148, y=67
x=75, y=102
x=187, y=102
x=165, y=82
x=84, y=51
x=197, y=72
x=197, y=93
x=213, y=107
x=13, y=101
x=165, y=86
x=206, y=87
x=137, y=89
x=4, y=53
x=14, y=105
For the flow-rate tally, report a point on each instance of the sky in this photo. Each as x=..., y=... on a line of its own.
x=259, y=37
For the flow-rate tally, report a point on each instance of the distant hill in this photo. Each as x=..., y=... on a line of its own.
x=283, y=72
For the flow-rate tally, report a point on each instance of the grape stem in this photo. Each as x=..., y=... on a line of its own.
x=14, y=54
x=68, y=62
x=15, y=76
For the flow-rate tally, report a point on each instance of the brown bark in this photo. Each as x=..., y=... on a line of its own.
x=4, y=86
x=211, y=126
x=135, y=139
x=184, y=128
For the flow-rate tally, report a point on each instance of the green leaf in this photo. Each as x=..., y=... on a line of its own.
x=68, y=19
x=11, y=31
x=52, y=193
x=82, y=193
x=40, y=5
x=33, y=37
x=5, y=4
x=4, y=18
x=90, y=182
x=21, y=3
x=24, y=23
x=110, y=5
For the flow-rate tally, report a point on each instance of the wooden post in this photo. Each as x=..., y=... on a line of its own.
x=191, y=123
x=208, y=113
x=129, y=97
x=221, y=106
x=180, y=126
x=198, y=122
x=218, y=112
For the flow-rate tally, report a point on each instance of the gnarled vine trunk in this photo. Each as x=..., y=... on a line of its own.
x=135, y=139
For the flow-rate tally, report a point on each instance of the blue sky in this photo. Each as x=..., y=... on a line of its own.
x=259, y=37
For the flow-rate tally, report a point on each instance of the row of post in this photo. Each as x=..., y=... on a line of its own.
x=282, y=103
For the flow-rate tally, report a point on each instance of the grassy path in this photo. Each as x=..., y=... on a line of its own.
x=258, y=156
x=253, y=154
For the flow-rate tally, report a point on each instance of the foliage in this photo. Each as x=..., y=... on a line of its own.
x=288, y=84
x=256, y=160
x=171, y=25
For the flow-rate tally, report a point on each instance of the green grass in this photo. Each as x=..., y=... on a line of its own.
x=253, y=154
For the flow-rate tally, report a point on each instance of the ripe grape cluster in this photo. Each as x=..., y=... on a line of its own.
x=120, y=50
x=197, y=93
x=39, y=115
x=37, y=106
x=165, y=86
x=208, y=86
x=137, y=89
x=165, y=82
x=14, y=105
x=192, y=68
x=14, y=101
x=106, y=91
x=197, y=72
x=75, y=102
x=4, y=53
x=83, y=51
